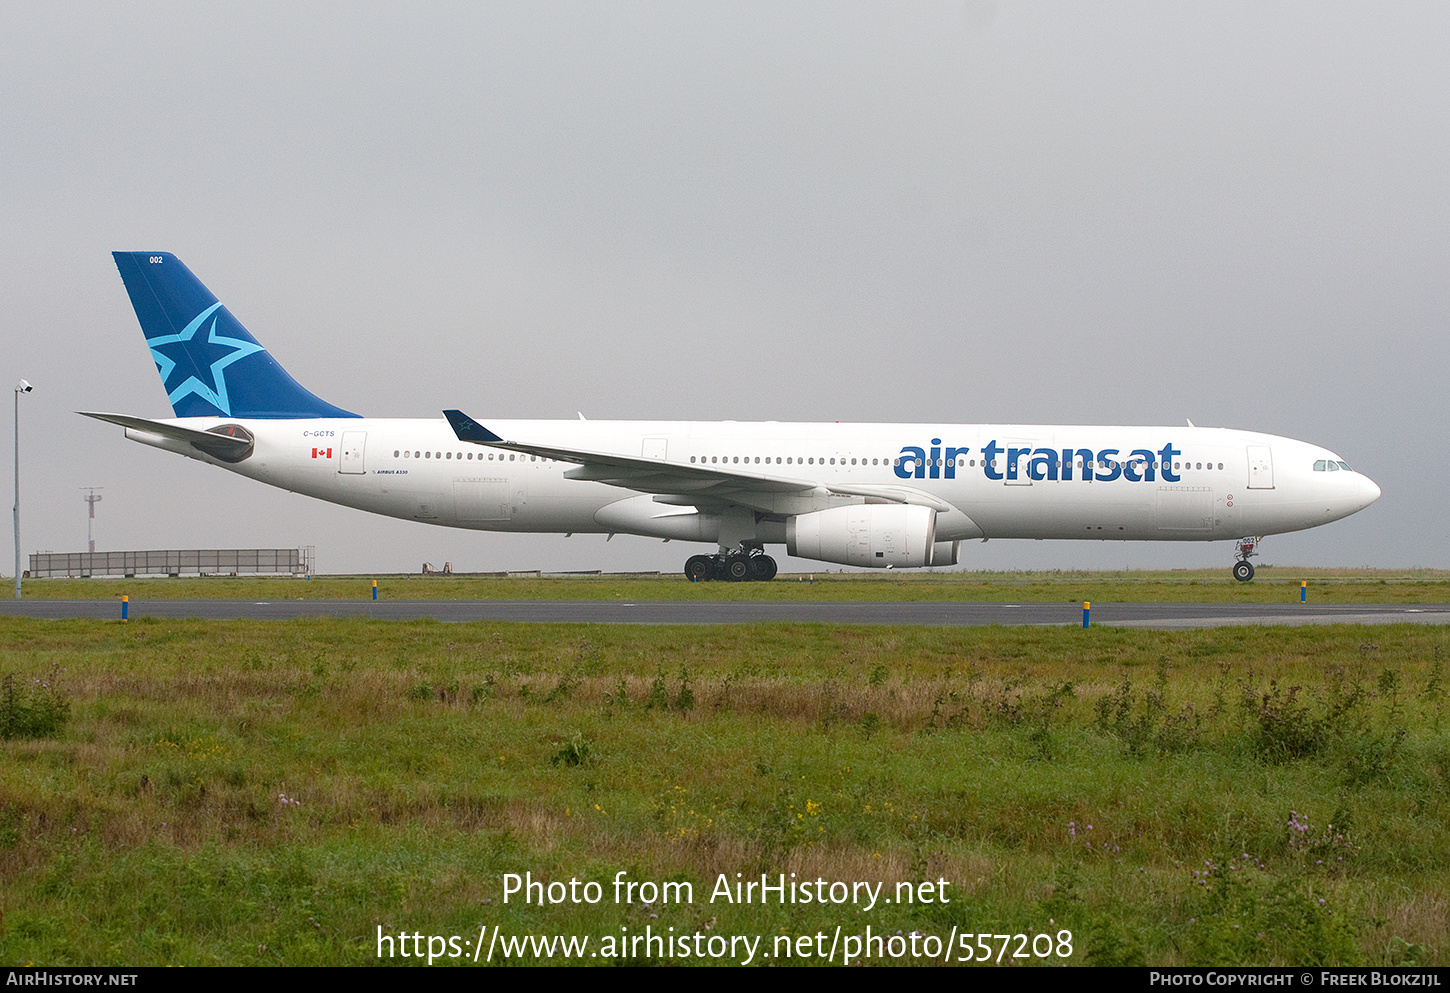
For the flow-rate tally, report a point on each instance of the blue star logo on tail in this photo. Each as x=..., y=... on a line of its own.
x=191, y=355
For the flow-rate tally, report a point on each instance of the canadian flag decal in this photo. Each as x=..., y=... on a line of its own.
x=322, y=453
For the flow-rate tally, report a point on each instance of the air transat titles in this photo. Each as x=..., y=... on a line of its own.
x=999, y=463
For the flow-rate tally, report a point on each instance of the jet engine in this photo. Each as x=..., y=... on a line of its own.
x=873, y=535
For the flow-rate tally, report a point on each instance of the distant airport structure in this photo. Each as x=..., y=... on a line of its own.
x=175, y=562
x=91, y=498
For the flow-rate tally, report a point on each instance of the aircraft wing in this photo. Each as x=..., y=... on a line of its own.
x=697, y=483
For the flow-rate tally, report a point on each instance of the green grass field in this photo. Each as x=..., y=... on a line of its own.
x=1271, y=585
x=251, y=793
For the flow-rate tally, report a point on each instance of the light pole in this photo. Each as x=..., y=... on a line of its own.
x=20, y=387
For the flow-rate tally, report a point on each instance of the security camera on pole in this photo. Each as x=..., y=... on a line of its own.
x=20, y=387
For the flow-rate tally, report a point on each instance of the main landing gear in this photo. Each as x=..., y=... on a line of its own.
x=735, y=567
x=1243, y=568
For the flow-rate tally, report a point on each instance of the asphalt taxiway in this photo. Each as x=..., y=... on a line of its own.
x=1145, y=615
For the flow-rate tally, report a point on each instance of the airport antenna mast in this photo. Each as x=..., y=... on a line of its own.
x=91, y=498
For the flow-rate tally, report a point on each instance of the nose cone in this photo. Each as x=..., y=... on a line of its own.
x=1369, y=492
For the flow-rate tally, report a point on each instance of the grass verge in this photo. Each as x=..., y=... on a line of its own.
x=1271, y=585
x=285, y=793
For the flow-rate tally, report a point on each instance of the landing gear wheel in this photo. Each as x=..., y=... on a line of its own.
x=1243, y=571
x=737, y=567
x=699, y=569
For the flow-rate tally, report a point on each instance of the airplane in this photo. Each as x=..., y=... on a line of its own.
x=870, y=495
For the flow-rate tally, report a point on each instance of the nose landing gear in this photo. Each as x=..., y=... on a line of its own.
x=1243, y=569
x=736, y=567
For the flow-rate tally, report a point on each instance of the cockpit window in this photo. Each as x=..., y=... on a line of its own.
x=1345, y=467
x=1319, y=466
x=1333, y=466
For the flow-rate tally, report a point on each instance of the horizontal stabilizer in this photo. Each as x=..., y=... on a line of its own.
x=226, y=442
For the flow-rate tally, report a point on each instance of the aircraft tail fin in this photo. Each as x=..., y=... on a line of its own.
x=209, y=364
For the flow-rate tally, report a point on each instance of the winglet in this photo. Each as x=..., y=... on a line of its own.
x=467, y=429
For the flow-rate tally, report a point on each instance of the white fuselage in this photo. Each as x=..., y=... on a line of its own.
x=985, y=481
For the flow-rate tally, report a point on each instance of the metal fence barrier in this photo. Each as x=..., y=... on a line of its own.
x=175, y=562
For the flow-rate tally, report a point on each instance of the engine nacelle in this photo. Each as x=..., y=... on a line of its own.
x=873, y=535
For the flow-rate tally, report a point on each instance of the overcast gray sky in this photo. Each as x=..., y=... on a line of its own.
x=948, y=212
